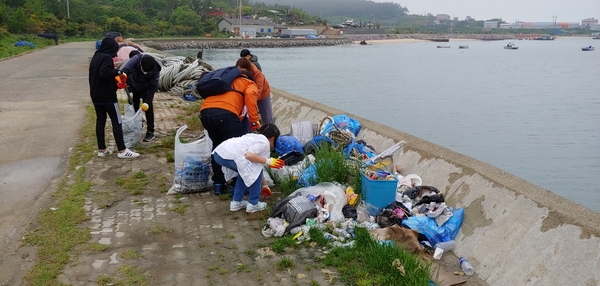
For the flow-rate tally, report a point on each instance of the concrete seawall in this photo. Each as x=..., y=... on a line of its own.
x=514, y=232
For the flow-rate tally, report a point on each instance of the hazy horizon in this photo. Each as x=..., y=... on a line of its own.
x=509, y=10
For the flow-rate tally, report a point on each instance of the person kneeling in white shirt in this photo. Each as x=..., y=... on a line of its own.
x=246, y=155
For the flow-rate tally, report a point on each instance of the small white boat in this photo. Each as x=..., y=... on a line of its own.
x=443, y=47
x=463, y=47
x=511, y=46
x=590, y=48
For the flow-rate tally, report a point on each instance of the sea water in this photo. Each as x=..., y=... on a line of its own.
x=533, y=112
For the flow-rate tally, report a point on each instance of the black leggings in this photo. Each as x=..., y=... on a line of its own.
x=115, y=119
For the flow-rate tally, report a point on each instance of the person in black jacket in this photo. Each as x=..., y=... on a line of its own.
x=142, y=78
x=103, y=91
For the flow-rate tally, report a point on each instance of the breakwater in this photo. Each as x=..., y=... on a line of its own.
x=207, y=43
x=176, y=44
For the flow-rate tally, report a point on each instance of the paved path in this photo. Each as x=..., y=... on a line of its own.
x=42, y=106
x=42, y=103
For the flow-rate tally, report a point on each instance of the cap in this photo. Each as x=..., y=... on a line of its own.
x=245, y=52
x=133, y=53
x=148, y=63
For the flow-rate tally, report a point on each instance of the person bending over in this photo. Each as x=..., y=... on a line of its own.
x=246, y=156
x=221, y=116
x=143, y=73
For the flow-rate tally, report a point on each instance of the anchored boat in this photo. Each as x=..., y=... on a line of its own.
x=511, y=46
x=587, y=49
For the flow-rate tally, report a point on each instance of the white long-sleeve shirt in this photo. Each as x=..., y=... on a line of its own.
x=236, y=148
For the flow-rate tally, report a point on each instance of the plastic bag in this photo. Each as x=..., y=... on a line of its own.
x=192, y=165
x=434, y=233
x=286, y=144
x=334, y=195
x=132, y=126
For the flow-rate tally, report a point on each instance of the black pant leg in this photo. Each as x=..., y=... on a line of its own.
x=116, y=120
x=100, y=123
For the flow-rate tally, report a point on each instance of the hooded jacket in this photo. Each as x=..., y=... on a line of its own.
x=264, y=89
x=254, y=60
x=137, y=79
x=102, y=72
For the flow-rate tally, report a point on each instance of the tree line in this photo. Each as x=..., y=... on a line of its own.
x=149, y=18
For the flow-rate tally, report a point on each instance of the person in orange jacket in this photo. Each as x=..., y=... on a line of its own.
x=264, y=90
x=221, y=115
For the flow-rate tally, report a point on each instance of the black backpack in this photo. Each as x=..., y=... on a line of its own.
x=218, y=82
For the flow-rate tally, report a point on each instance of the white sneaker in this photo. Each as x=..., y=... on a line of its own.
x=260, y=206
x=104, y=153
x=236, y=206
x=128, y=154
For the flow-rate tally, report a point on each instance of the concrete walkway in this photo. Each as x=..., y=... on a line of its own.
x=142, y=235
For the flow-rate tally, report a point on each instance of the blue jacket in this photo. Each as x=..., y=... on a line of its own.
x=145, y=83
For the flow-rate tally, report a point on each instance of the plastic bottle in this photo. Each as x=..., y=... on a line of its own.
x=466, y=266
x=446, y=245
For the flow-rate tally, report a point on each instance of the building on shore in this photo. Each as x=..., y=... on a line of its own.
x=248, y=27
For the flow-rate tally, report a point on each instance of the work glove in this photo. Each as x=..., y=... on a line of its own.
x=121, y=79
x=254, y=126
x=265, y=191
x=275, y=163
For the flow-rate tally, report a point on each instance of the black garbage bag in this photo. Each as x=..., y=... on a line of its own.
x=349, y=212
x=295, y=210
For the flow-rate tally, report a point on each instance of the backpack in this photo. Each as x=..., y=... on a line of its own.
x=218, y=82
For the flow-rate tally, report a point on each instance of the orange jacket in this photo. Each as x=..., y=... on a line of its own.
x=234, y=102
x=262, y=83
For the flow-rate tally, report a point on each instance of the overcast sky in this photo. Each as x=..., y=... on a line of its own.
x=509, y=10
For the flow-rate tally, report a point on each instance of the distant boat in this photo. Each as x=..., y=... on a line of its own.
x=597, y=37
x=463, y=47
x=511, y=46
x=443, y=47
x=590, y=48
x=439, y=40
x=363, y=42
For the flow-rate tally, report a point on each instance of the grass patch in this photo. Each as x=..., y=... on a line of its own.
x=316, y=235
x=370, y=263
x=331, y=165
x=134, y=184
x=285, y=263
x=159, y=229
x=280, y=244
x=180, y=208
x=58, y=232
x=130, y=254
x=97, y=247
x=7, y=44
x=130, y=275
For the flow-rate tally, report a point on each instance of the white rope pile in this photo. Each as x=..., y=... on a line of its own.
x=178, y=74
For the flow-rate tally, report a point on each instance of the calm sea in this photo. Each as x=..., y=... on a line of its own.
x=533, y=112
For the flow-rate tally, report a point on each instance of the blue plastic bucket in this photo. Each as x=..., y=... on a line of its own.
x=377, y=194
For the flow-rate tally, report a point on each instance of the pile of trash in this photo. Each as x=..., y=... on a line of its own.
x=396, y=209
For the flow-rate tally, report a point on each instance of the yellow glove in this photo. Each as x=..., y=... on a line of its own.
x=275, y=163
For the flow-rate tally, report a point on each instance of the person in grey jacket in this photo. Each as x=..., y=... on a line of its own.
x=245, y=53
x=142, y=78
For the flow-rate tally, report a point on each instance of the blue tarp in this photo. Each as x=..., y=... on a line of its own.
x=24, y=44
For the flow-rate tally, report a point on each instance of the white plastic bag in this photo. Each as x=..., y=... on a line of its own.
x=132, y=126
x=192, y=165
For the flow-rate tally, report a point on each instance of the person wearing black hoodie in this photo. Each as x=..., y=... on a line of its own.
x=142, y=78
x=103, y=91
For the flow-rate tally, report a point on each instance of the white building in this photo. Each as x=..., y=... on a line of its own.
x=589, y=23
x=249, y=27
x=490, y=24
x=442, y=17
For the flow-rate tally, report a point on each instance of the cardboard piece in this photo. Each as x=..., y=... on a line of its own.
x=441, y=277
